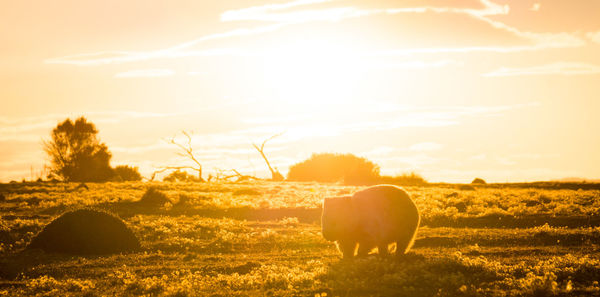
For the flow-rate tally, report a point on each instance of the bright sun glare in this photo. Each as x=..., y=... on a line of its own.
x=312, y=72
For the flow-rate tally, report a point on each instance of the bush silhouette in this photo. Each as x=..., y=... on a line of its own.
x=328, y=167
x=86, y=231
x=182, y=176
x=127, y=173
x=478, y=181
x=76, y=153
x=154, y=197
x=406, y=179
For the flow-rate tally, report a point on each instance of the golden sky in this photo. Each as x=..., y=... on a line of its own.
x=503, y=90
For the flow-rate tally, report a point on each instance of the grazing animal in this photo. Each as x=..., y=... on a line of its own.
x=374, y=217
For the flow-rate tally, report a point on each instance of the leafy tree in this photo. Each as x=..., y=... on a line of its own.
x=328, y=167
x=76, y=153
x=128, y=173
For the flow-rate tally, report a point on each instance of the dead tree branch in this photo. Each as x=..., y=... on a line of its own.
x=187, y=151
x=275, y=175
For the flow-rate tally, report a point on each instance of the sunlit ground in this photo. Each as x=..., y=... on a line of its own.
x=264, y=238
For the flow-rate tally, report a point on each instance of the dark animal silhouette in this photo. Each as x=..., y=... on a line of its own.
x=374, y=217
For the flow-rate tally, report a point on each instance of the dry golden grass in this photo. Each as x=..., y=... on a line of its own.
x=256, y=239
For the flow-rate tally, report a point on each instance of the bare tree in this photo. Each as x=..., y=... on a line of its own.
x=275, y=175
x=221, y=175
x=186, y=151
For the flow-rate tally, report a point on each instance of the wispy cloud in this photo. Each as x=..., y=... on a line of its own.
x=538, y=40
x=277, y=13
x=426, y=146
x=430, y=117
x=265, y=12
x=559, y=68
x=417, y=161
x=414, y=64
x=286, y=14
x=196, y=73
x=594, y=36
x=375, y=118
x=97, y=58
x=177, y=51
x=145, y=73
x=32, y=129
x=380, y=151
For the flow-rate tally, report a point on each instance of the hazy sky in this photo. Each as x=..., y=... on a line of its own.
x=503, y=90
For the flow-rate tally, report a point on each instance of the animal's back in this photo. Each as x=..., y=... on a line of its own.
x=386, y=213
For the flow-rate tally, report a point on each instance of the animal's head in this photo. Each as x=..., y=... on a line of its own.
x=338, y=217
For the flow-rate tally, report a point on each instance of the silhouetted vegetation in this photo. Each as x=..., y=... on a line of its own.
x=127, y=173
x=546, y=185
x=478, y=181
x=406, y=179
x=182, y=176
x=275, y=174
x=154, y=197
x=347, y=168
x=328, y=167
x=76, y=154
x=186, y=151
x=86, y=231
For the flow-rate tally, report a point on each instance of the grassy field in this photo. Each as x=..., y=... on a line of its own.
x=263, y=238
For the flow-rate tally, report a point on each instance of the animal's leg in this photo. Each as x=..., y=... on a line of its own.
x=347, y=248
x=364, y=247
x=404, y=243
x=383, y=249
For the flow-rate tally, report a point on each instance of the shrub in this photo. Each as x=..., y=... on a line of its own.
x=128, y=173
x=154, y=197
x=86, y=231
x=406, y=179
x=478, y=181
x=182, y=176
x=328, y=167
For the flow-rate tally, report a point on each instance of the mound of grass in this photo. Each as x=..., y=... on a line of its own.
x=466, y=188
x=2, y=198
x=86, y=232
x=154, y=197
x=246, y=191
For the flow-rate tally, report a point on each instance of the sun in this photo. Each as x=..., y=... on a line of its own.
x=313, y=72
